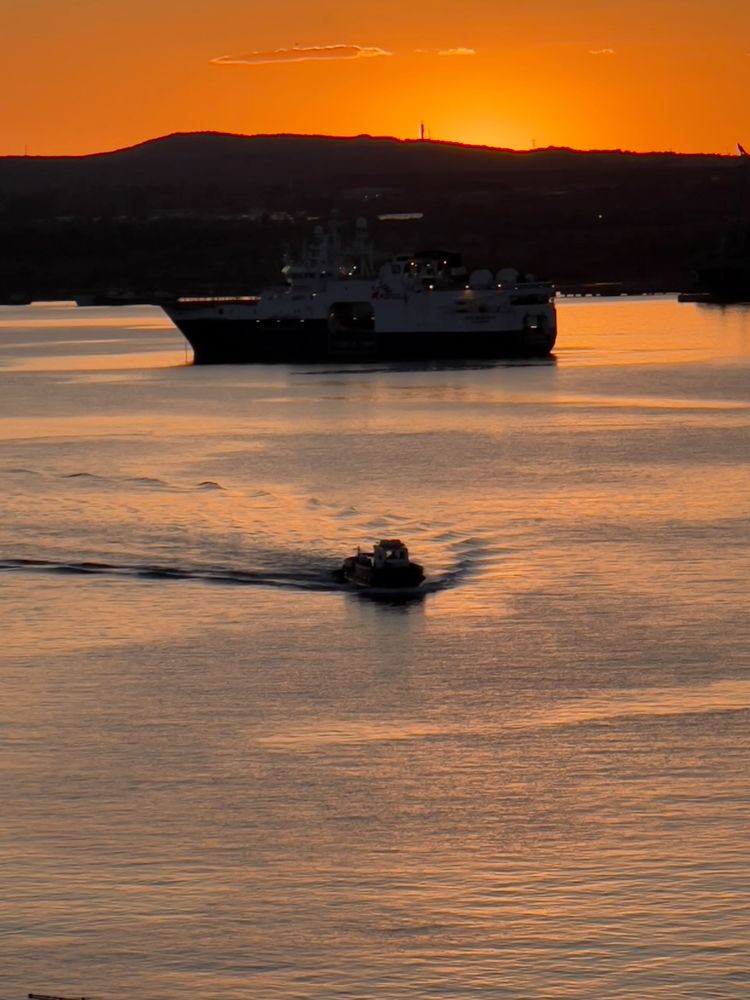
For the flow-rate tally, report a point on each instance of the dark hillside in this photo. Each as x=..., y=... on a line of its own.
x=213, y=212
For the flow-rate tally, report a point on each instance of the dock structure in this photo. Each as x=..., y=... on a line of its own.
x=588, y=289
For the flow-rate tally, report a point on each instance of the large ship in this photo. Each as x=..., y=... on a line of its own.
x=336, y=306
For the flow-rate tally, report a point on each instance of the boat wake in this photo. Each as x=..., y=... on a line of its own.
x=303, y=579
x=323, y=578
x=93, y=479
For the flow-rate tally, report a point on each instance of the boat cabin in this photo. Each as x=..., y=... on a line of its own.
x=388, y=565
x=390, y=554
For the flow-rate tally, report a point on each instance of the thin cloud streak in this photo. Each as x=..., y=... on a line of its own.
x=601, y=52
x=457, y=52
x=313, y=53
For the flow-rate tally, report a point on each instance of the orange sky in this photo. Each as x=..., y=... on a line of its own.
x=87, y=75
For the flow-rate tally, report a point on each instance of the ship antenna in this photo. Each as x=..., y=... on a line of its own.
x=421, y=131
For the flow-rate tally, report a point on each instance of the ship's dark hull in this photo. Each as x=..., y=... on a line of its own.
x=727, y=282
x=222, y=341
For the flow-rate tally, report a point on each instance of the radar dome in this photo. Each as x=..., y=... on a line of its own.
x=506, y=276
x=481, y=279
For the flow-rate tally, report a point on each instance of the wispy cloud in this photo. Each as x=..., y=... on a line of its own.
x=446, y=52
x=313, y=53
x=601, y=52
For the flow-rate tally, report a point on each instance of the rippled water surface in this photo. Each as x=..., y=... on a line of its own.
x=224, y=775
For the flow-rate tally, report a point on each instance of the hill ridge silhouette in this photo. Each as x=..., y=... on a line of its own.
x=453, y=143
x=146, y=216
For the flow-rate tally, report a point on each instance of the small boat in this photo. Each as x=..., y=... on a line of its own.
x=388, y=566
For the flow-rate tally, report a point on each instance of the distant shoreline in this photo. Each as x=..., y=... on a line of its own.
x=214, y=213
x=533, y=150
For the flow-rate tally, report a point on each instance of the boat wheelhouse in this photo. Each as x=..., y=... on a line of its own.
x=388, y=565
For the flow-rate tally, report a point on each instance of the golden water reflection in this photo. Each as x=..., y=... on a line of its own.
x=243, y=780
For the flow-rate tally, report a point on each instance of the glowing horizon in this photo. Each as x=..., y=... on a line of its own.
x=629, y=77
x=467, y=144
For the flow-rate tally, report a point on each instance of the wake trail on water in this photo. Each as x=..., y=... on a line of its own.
x=95, y=479
x=297, y=580
x=312, y=529
x=320, y=579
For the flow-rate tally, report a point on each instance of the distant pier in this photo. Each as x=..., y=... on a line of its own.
x=588, y=289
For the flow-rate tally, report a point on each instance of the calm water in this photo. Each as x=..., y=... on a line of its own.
x=223, y=776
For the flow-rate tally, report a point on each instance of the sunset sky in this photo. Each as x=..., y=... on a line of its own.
x=82, y=76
